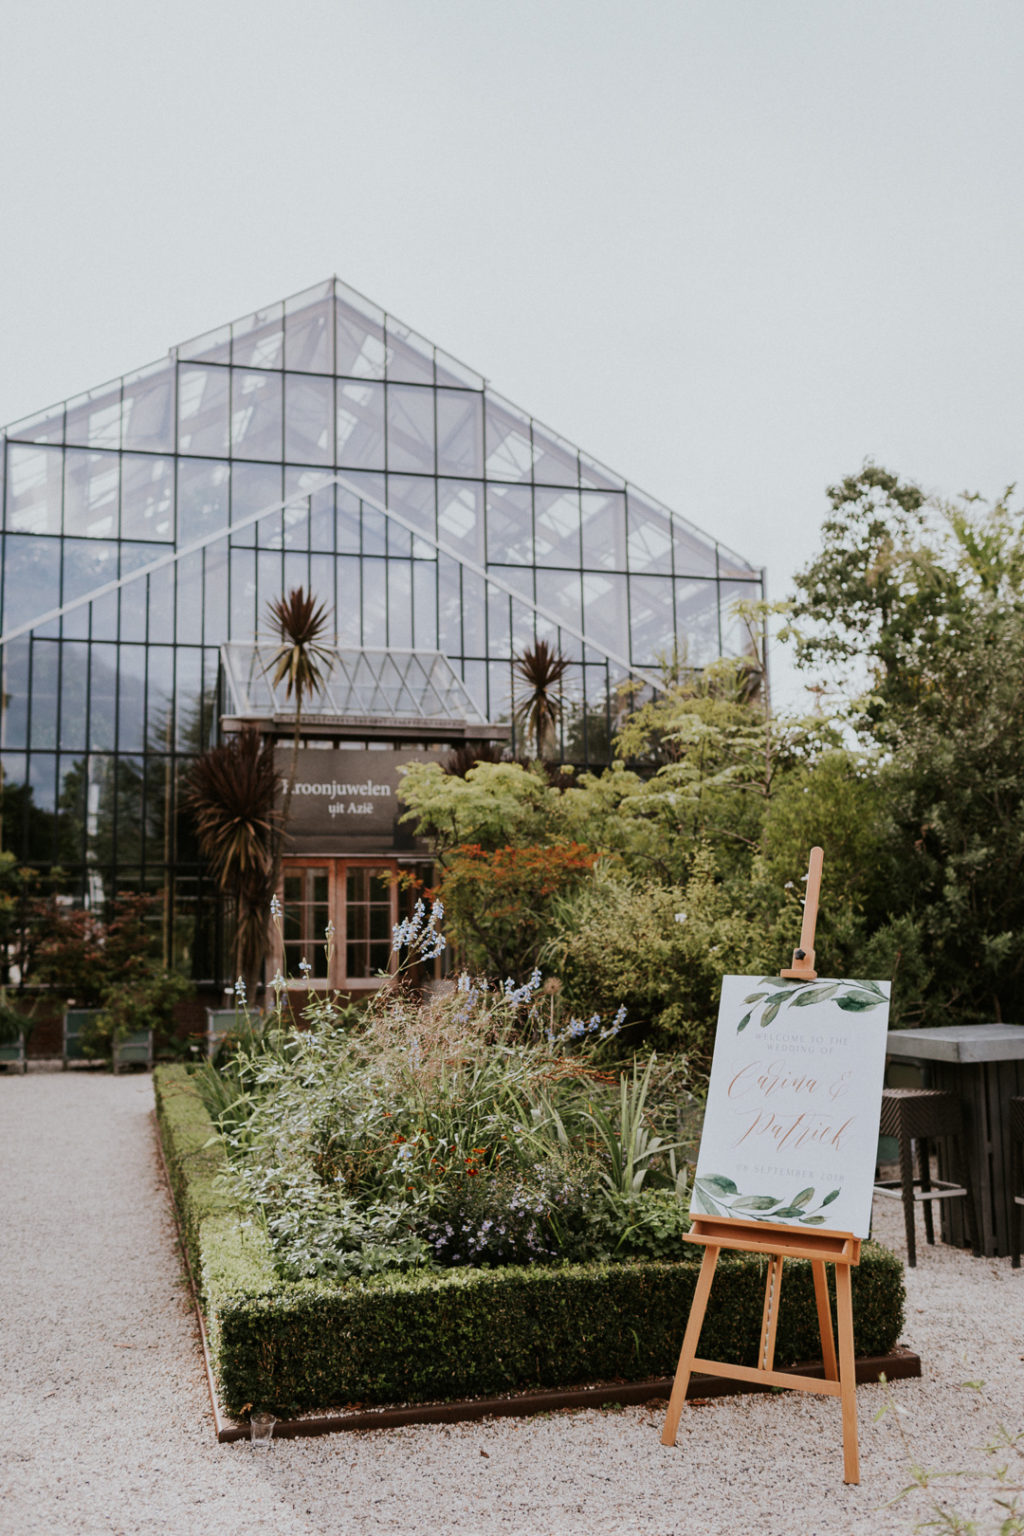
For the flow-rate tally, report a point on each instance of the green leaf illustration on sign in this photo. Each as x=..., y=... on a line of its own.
x=850, y=996
x=716, y=1195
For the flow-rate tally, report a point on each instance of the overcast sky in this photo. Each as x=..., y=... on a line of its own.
x=731, y=247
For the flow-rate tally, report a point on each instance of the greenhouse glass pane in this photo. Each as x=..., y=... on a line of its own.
x=556, y=525
x=556, y=462
x=509, y=525
x=147, y=497
x=253, y=487
x=308, y=323
x=31, y=575
x=410, y=358
x=694, y=556
x=410, y=428
x=375, y=599
x=508, y=445
x=424, y=603
x=400, y=604
x=74, y=693
x=91, y=489
x=650, y=536
x=203, y=410
x=460, y=517
x=413, y=498
x=255, y=414
x=606, y=611
x=34, y=489
x=94, y=420
x=449, y=607
x=604, y=530
x=45, y=662
x=202, y=498
x=652, y=618
x=697, y=622
x=308, y=420
x=359, y=339
x=148, y=409
x=258, y=340
x=460, y=432
x=134, y=595
x=360, y=426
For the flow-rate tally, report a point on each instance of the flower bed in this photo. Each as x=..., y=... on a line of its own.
x=426, y=1334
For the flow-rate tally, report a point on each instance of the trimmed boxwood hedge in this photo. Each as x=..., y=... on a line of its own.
x=412, y=1337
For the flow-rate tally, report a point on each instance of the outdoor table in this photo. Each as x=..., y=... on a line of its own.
x=984, y=1065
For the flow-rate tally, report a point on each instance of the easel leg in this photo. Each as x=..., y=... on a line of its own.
x=770, y=1316
x=691, y=1339
x=828, y=1344
x=847, y=1373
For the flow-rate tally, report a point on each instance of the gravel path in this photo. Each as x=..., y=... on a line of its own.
x=107, y=1429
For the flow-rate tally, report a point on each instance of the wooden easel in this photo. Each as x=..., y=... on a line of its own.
x=778, y=1242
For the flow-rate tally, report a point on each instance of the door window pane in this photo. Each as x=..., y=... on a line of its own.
x=367, y=922
x=305, y=918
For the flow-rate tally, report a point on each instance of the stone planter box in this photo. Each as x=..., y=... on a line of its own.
x=13, y=1053
x=75, y=1022
x=135, y=1049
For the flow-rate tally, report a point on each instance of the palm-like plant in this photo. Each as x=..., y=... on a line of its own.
x=541, y=668
x=303, y=663
x=231, y=792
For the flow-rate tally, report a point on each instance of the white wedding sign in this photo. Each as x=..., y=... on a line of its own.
x=791, y=1126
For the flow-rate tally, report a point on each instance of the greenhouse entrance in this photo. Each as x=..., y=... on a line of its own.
x=337, y=922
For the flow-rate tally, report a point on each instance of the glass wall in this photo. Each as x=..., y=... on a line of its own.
x=502, y=533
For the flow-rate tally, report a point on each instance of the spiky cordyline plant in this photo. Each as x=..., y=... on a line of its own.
x=303, y=663
x=541, y=668
x=231, y=793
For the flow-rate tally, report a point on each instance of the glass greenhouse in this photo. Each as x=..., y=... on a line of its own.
x=316, y=443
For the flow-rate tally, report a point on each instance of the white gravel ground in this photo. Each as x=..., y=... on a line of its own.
x=106, y=1426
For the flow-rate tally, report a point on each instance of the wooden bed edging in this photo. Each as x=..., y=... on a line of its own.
x=899, y=1365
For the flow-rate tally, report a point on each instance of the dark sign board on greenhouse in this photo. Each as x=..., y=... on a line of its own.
x=347, y=802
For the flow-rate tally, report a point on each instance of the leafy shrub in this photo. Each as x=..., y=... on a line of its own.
x=467, y=1131
x=660, y=950
x=498, y=901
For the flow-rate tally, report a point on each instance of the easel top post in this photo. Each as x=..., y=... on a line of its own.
x=802, y=968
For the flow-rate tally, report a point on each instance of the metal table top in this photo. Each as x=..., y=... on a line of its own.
x=959, y=1042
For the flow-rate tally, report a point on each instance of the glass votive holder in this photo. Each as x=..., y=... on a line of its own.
x=261, y=1430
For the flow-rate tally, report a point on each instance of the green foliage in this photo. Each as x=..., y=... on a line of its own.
x=112, y=965
x=143, y=997
x=463, y=1132
x=289, y=1347
x=496, y=805
x=660, y=950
